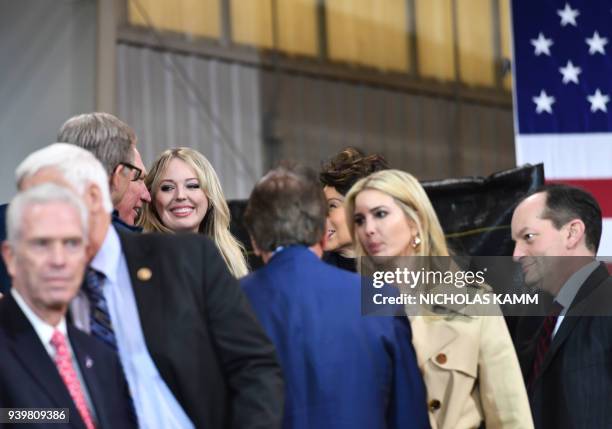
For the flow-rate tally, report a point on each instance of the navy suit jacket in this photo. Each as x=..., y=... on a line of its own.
x=29, y=377
x=341, y=369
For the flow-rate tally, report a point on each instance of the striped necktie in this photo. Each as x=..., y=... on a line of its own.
x=99, y=318
x=544, y=340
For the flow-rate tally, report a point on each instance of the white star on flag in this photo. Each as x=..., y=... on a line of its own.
x=543, y=102
x=596, y=44
x=568, y=15
x=598, y=101
x=542, y=45
x=570, y=73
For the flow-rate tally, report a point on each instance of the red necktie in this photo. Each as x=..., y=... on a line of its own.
x=544, y=340
x=63, y=360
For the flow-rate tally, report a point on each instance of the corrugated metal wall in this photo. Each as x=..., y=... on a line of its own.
x=166, y=112
x=271, y=115
x=47, y=74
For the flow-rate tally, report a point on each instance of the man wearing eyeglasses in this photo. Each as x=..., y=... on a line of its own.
x=114, y=144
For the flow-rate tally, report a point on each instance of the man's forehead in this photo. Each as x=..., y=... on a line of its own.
x=533, y=206
x=52, y=219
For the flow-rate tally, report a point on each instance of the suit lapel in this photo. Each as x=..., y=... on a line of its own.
x=575, y=312
x=34, y=357
x=145, y=277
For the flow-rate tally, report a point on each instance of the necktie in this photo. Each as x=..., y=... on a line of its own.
x=63, y=361
x=544, y=340
x=99, y=317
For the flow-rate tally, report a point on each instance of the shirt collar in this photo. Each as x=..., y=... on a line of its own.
x=570, y=288
x=108, y=257
x=42, y=328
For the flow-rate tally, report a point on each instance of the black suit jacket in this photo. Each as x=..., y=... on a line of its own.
x=29, y=377
x=574, y=388
x=202, y=333
x=5, y=280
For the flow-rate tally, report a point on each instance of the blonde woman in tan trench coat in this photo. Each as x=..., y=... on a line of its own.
x=468, y=362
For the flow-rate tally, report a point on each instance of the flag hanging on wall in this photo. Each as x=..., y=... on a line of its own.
x=562, y=73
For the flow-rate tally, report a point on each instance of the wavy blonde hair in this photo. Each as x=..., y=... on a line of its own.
x=410, y=196
x=215, y=224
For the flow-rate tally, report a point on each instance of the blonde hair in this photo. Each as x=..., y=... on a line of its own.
x=410, y=196
x=215, y=224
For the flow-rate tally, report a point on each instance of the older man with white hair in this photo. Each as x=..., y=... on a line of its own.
x=47, y=363
x=193, y=352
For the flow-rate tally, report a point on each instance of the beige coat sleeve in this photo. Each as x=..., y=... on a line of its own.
x=502, y=392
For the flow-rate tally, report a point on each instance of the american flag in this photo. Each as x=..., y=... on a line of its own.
x=563, y=94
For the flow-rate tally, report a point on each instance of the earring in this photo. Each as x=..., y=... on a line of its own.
x=416, y=241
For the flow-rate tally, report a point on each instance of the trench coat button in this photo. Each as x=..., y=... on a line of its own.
x=441, y=359
x=434, y=405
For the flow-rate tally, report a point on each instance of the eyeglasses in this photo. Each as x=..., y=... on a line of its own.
x=135, y=172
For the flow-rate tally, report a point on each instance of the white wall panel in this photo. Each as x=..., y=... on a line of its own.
x=47, y=74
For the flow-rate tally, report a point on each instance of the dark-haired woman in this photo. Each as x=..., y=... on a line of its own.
x=337, y=177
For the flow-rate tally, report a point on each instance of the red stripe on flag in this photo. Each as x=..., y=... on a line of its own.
x=600, y=188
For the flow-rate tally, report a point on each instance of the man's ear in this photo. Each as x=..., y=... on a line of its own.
x=8, y=254
x=116, y=178
x=256, y=249
x=323, y=240
x=575, y=233
x=93, y=198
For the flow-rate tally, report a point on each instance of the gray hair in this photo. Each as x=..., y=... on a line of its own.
x=78, y=166
x=46, y=193
x=103, y=134
x=287, y=206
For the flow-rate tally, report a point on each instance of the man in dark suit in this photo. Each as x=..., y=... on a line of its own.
x=5, y=280
x=567, y=363
x=46, y=362
x=342, y=369
x=192, y=350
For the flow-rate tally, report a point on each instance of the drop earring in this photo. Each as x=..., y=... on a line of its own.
x=416, y=242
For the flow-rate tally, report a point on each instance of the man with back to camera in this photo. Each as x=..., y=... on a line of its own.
x=342, y=369
x=568, y=362
x=192, y=350
x=46, y=362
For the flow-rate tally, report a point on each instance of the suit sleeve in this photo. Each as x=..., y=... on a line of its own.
x=408, y=405
x=247, y=355
x=502, y=391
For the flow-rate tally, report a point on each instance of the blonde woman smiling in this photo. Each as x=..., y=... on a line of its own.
x=186, y=196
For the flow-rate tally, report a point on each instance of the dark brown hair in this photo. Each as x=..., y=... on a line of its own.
x=348, y=166
x=287, y=206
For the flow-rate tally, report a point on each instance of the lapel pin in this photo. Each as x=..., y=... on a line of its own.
x=88, y=362
x=144, y=274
